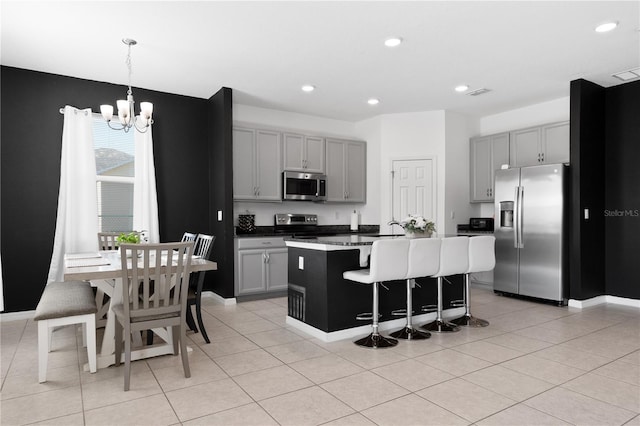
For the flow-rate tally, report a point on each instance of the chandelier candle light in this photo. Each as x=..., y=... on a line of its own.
x=126, y=112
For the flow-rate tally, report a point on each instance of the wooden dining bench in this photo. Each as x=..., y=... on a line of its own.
x=65, y=303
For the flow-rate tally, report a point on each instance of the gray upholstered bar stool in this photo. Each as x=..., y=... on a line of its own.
x=389, y=262
x=424, y=261
x=454, y=259
x=482, y=257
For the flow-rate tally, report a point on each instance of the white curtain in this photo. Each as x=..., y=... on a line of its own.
x=145, y=199
x=77, y=220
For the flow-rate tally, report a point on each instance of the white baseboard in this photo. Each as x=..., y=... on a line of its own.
x=215, y=296
x=17, y=316
x=601, y=300
x=362, y=330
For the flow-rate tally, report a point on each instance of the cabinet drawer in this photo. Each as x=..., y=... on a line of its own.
x=260, y=243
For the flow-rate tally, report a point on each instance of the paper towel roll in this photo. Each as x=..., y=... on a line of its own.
x=354, y=221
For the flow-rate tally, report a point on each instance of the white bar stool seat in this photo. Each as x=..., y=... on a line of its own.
x=454, y=259
x=389, y=262
x=482, y=257
x=424, y=261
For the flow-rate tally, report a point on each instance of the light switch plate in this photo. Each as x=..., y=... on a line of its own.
x=219, y=215
x=300, y=262
x=586, y=214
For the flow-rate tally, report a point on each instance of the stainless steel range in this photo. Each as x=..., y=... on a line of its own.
x=296, y=223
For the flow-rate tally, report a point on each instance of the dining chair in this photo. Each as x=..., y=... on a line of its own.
x=155, y=281
x=203, y=248
x=108, y=240
x=188, y=236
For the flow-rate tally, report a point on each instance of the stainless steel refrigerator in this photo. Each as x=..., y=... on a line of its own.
x=531, y=231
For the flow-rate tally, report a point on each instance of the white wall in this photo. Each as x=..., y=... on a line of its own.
x=328, y=214
x=458, y=129
x=532, y=115
x=406, y=136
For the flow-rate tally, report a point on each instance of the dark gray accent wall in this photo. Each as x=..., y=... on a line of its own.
x=605, y=172
x=622, y=190
x=586, y=236
x=221, y=190
x=31, y=132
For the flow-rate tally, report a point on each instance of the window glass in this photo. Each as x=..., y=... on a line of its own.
x=115, y=155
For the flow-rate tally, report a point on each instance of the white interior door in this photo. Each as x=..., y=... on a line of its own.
x=413, y=186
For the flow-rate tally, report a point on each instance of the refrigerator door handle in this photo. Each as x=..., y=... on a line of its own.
x=521, y=218
x=516, y=197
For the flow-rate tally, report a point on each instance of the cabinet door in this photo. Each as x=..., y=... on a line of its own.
x=277, y=269
x=335, y=164
x=555, y=143
x=480, y=157
x=525, y=147
x=499, y=156
x=293, y=151
x=355, y=172
x=244, y=164
x=314, y=156
x=268, y=168
x=251, y=271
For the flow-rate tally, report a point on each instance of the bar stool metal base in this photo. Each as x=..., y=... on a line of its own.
x=376, y=341
x=440, y=326
x=469, y=320
x=410, y=333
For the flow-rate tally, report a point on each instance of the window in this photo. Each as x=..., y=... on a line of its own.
x=115, y=155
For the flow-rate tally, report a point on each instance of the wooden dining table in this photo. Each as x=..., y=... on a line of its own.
x=104, y=270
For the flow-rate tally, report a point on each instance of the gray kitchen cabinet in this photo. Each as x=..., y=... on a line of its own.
x=256, y=165
x=303, y=153
x=346, y=171
x=261, y=265
x=487, y=154
x=540, y=145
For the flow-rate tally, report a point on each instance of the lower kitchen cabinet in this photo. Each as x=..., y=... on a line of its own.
x=261, y=265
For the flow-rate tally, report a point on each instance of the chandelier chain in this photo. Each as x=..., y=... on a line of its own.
x=129, y=67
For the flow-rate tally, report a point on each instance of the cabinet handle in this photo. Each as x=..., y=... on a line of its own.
x=542, y=157
x=258, y=190
x=268, y=258
x=264, y=258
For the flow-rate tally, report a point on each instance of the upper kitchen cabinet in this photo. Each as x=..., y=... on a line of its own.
x=346, y=171
x=487, y=154
x=256, y=165
x=540, y=145
x=303, y=153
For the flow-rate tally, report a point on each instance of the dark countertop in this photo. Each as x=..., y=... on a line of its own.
x=322, y=230
x=341, y=240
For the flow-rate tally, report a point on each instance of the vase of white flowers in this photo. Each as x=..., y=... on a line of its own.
x=416, y=226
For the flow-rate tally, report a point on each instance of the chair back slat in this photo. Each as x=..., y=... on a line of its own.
x=188, y=236
x=158, y=277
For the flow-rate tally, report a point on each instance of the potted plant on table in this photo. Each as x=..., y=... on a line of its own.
x=416, y=226
x=128, y=238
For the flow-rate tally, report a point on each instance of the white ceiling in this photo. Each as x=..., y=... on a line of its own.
x=524, y=52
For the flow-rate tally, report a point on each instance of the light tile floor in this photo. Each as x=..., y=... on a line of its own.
x=535, y=364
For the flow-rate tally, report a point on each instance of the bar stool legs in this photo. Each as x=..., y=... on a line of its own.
x=375, y=339
x=409, y=332
x=467, y=319
x=440, y=325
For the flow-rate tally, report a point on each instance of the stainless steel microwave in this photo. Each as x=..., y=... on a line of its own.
x=304, y=186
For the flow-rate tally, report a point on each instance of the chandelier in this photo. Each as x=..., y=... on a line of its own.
x=126, y=112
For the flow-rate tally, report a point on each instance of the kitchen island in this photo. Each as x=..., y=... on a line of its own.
x=325, y=305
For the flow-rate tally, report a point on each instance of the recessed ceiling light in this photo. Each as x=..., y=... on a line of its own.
x=607, y=26
x=462, y=88
x=308, y=88
x=393, y=41
x=373, y=101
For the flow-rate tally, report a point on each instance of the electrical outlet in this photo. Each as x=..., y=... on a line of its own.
x=219, y=215
x=337, y=215
x=300, y=262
